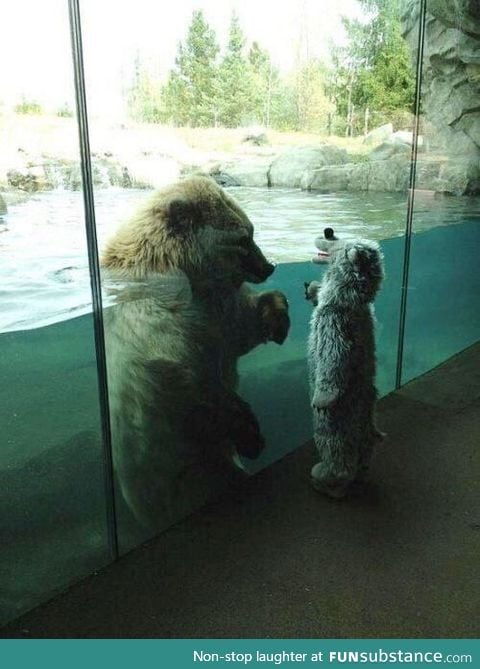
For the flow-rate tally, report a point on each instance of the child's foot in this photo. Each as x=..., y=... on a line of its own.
x=334, y=491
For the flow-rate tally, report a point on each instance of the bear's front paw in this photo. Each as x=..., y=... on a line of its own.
x=272, y=307
x=324, y=398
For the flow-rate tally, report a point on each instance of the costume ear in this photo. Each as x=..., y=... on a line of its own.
x=359, y=258
x=353, y=255
x=181, y=214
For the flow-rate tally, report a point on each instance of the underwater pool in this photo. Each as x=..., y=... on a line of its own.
x=53, y=523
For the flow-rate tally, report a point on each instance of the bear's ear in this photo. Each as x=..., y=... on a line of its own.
x=181, y=214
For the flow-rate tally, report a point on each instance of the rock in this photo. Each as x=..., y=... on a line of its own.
x=359, y=177
x=256, y=139
x=451, y=74
x=27, y=179
x=251, y=172
x=427, y=172
x=406, y=137
x=461, y=178
x=389, y=149
x=331, y=179
x=380, y=134
x=225, y=180
x=3, y=206
x=389, y=175
x=296, y=166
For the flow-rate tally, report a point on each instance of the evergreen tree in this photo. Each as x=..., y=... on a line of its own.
x=191, y=90
x=235, y=83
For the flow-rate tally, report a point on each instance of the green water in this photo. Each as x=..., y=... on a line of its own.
x=53, y=527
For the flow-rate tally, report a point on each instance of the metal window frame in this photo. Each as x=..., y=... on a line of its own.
x=94, y=269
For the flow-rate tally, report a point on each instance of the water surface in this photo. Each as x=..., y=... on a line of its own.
x=43, y=257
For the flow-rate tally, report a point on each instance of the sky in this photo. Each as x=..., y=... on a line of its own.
x=35, y=53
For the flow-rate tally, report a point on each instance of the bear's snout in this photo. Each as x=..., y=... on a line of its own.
x=269, y=269
x=256, y=267
x=256, y=272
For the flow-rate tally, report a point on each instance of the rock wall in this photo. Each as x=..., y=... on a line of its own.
x=450, y=85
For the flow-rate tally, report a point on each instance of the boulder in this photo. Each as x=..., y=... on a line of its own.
x=224, y=179
x=380, y=134
x=45, y=173
x=295, y=167
x=460, y=178
x=3, y=206
x=251, y=172
x=29, y=179
x=331, y=179
x=388, y=175
x=427, y=172
x=389, y=149
x=391, y=175
x=406, y=137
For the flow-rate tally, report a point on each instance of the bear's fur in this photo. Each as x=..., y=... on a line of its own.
x=342, y=361
x=182, y=318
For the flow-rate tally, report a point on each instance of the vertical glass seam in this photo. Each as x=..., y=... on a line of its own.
x=411, y=193
x=94, y=269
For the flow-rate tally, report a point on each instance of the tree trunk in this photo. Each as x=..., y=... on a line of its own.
x=365, y=121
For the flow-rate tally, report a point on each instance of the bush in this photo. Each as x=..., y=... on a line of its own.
x=28, y=107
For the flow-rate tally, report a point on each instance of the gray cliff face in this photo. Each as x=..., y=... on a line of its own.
x=451, y=81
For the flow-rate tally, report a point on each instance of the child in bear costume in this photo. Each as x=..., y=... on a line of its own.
x=342, y=361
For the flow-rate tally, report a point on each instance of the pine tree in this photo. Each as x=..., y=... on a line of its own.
x=191, y=90
x=234, y=84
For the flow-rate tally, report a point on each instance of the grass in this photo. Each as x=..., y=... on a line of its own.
x=36, y=136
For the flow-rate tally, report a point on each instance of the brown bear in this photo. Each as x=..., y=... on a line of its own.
x=182, y=317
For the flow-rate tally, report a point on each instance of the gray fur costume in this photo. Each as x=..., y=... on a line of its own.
x=342, y=361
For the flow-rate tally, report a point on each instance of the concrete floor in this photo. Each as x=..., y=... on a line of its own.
x=275, y=559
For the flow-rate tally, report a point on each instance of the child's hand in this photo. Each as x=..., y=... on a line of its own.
x=311, y=290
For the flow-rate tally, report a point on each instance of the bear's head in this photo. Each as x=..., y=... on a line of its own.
x=355, y=270
x=193, y=226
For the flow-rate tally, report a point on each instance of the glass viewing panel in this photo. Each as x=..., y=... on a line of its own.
x=443, y=316
x=303, y=127
x=52, y=505
x=301, y=131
